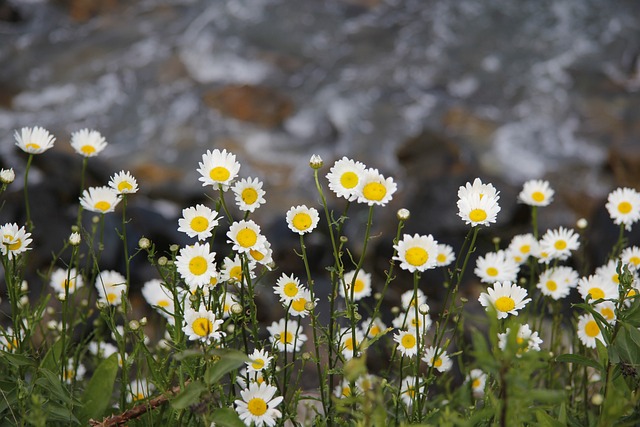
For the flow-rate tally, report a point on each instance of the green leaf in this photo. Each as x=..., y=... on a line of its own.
x=627, y=345
x=226, y=417
x=189, y=395
x=229, y=360
x=187, y=353
x=96, y=397
x=17, y=359
x=51, y=360
x=56, y=412
x=52, y=386
x=577, y=359
x=545, y=420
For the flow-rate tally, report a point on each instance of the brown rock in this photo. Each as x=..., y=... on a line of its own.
x=462, y=122
x=624, y=160
x=83, y=10
x=154, y=174
x=251, y=103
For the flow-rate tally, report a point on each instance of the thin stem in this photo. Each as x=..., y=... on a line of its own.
x=26, y=193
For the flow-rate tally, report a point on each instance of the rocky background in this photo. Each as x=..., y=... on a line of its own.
x=431, y=92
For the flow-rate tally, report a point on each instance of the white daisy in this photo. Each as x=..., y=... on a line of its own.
x=288, y=288
x=597, y=287
x=63, y=280
x=374, y=189
x=258, y=405
x=302, y=219
x=623, y=205
x=102, y=349
x=263, y=255
x=344, y=177
x=74, y=373
x=372, y=328
x=557, y=282
x=607, y=309
x=233, y=270
x=343, y=389
x=229, y=300
x=505, y=297
x=479, y=188
x=218, y=169
x=196, y=264
x=287, y=336
x=361, y=285
x=260, y=360
x=496, y=267
x=249, y=194
x=559, y=243
x=407, y=342
x=407, y=299
x=15, y=240
x=409, y=390
x=477, y=379
x=410, y=321
x=34, y=140
x=346, y=344
x=198, y=221
x=589, y=331
x=609, y=273
x=110, y=285
x=521, y=247
x=536, y=193
x=417, y=253
x=297, y=307
x=88, y=143
x=124, y=183
x=246, y=376
x=99, y=199
x=526, y=339
x=366, y=382
x=245, y=236
x=478, y=208
x=139, y=389
x=437, y=358
x=202, y=325
x=631, y=257
x=444, y=255
x=159, y=297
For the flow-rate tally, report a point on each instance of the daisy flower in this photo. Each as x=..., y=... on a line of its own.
x=288, y=288
x=245, y=236
x=441, y=362
x=260, y=360
x=218, y=169
x=607, y=309
x=559, y=243
x=344, y=177
x=202, y=325
x=631, y=257
x=99, y=199
x=536, y=193
x=343, y=389
x=407, y=343
x=609, y=273
x=346, y=344
x=479, y=188
x=521, y=247
x=110, y=285
x=245, y=377
x=589, y=331
x=598, y=288
x=123, y=183
x=63, y=280
x=410, y=321
x=159, y=297
x=139, y=389
x=34, y=140
x=287, y=336
x=232, y=270
x=416, y=253
x=88, y=143
x=8, y=341
x=258, y=405
x=366, y=382
x=496, y=267
x=407, y=299
x=361, y=286
x=263, y=255
x=302, y=219
x=229, y=300
x=408, y=390
x=102, y=349
x=444, y=255
x=374, y=327
x=74, y=373
x=557, y=282
x=196, y=264
x=198, y=221
x=505, y=297
x=249, y=194
x=526, y=339
x=623, y=205
x=297, y=307
x=15, y=240
x=478, y=208
x=7, y=176
x=477, y=379
x=374, y=189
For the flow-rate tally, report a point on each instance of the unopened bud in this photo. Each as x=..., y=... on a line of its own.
x=7, y=176
x=309, y=305
x=423, y=308
x=162, y=260
x=403, y=214
x=75, y=239
x=315, y=162
x=597, y=399
x=236, y=309
x=174, y=248
x=582, y=223
x=144, y=243
x=134, y=325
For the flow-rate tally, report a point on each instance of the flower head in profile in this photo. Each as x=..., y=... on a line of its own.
x=66, y=281
x=444, y=255
x=344, y=177
x=373, y=327
x=506, y=298
x=287, y=335
x=110, y=285
x=34, y=140
x=346, y=344
x=557, y=282
x=139, y=389
x=99, y=199
x=245, y=236
x=249, y=194
x=15, y=240
x=233, y=270
x=496, y=267
x=412, y=299
x=478, y=203
x=479, y=188
x=260, y=360
x=374, y=189
x=597, y=287
x=202, y=325
x=198, y=221
x=196, y=264
x=623, y=205
x=559, y=243
x=88, y=143
x=407, y=342
x=536, y=193
x=257, y=405
x=302, y=219
x=589, y=331
x=298, y=307
x=437, y=358
x=631, y=257
x=521, y=247
x=609, y=272
x=123, y=183
x=409, y=389
x=526, y=339
x=263, y=255
x=418, y=324
x=159, y=297
x=7, y=176
x=417, y=253
x=361, y=285
x=477, y=379
x=218, y=169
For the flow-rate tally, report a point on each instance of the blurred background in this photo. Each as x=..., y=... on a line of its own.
x=431, y=92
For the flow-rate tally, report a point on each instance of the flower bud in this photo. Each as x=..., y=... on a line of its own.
x=134, y=325
x=144, y=243
x=582, y=223
x=75, y=239
x=403, y=214
x=7, y=176
x=315, y=162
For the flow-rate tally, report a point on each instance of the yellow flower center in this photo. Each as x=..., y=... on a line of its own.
x=298, y=305
x=631, y=293
x=411, y=392
x=68, y=284
x=374, y=191
x=560, y=245
x=525, y=249
x=437, y=363
x=302, y=221
x=416, y=256
x=112, y=297
x=257, y=255
x=551, y=285
x=346, y=391
x=408, y=341
x=441, y=258
x=286, y=338
x=199, y=224
x=236, y=273
x=358, y=286
x=213, y=281
x=375, y=330
x=138, y=396
x=475, y=383
x=537, y=196
x=102, y=206
x=202, y=326
x=33, y=146
x=125, y=186
x=591, y=329
x=249, y=195
x=257, y=406
x=219, y=174
x=349, y=180
x=615, y=278
x=88, y=149
x=257, y=364
x=198, y=265
x=624, y=207
x=505, y=304
x=246, y=237
x=477, y=215
x=348, y=343
x=290, y=289
x=15, y=245
x=492, y=271
x=163, y=303
x=607, y=313
x=634, y=260
x=596, y=293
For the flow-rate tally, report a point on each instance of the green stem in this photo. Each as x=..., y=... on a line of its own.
x=26, y=193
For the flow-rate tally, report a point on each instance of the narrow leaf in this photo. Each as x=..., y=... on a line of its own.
x=95, y=400
x=229, y=360
x=188, y=396
x=579, y=360
x=226, y=417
